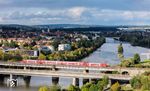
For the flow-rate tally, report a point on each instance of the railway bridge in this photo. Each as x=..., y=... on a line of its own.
x=75, y=72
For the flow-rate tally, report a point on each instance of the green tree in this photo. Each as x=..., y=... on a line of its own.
x=115, y=87
x=73, y=88
x=55, y=88
x=120, y=49
x=105, y=80
x=44, y=88
x=145, y=81
x=137, y=58
x=86, y=87
x=135, y=82
x=127, y=62
x=1, y=55
x=42, y=57
x=93, y=87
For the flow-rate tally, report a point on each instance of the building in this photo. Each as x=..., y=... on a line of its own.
x=47, y=49
x=52, y=49
x=64, y=47
x=31, y=53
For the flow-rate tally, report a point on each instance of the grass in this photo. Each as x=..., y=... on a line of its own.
x=146, y=61
x=126, y=88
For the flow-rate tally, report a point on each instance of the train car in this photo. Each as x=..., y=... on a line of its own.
x=64, y=63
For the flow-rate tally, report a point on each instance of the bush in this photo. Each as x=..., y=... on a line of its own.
x=127, y=62
x=120, y=49
x=115, y=87
x=44, y=88
x=42, y=57
x=135, y=82
x=137, y=58
x=73, y=88
x=55, y=88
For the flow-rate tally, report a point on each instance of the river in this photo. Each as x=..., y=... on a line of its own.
x=107, y=53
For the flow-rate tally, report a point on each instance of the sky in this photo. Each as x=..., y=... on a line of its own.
x=88, y=12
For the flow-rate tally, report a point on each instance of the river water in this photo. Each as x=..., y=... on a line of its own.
x=106, y=54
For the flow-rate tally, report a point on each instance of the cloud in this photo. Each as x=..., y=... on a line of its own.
x=39, y=16
x=75, y=11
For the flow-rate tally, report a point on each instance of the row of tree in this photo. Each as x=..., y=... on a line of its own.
x=89, y=86
x=79, y=50
x=131, y=61
x=136, y=39
x=10, y=56
x=138, y=83
x=11, y=44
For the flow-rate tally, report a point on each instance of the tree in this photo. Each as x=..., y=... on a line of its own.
x=86, y=87
x=141, y=82
x=42, y=57
x=103, y=83
x=1, y=55
x=55, y=88
x=44, y=88
x=120, y=49
x=105, y=80
x=136, y=58
x=17, y=57
x=73, y=88
x=145, y=80
x=135, y=82
x=115, y=87
x=127, y=62
x=93, y=87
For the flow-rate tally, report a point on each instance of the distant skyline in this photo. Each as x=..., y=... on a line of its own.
x=87, y=12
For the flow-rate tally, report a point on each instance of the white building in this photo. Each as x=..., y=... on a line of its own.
x=85, y=37
x=64, y=47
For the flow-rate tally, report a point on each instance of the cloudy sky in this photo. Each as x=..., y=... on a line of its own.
x=99, y=12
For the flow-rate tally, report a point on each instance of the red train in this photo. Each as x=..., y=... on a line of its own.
x=65, y=63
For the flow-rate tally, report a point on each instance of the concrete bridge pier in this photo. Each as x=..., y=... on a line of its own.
x=27, y=80
x=94, y=80
x=75, y=81
x=2, y=77
x=86, y=80
x=55, y=80
x=12, y=81
x=113, y=81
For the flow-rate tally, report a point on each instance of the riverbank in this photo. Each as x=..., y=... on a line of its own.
x=107, y=53
x=81, y=50
x=136, y=39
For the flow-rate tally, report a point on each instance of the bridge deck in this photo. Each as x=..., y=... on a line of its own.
x=65, y=71
x=44, y=73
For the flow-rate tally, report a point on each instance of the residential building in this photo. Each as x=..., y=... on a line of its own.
x=64, y=47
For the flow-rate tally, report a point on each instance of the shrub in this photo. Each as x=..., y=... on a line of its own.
x=115, y=87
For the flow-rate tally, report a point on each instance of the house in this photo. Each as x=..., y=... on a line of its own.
x=51, y=48
x=47, y=49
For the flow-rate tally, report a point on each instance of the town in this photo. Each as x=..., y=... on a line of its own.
x=47, y=49
x=74, y=45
